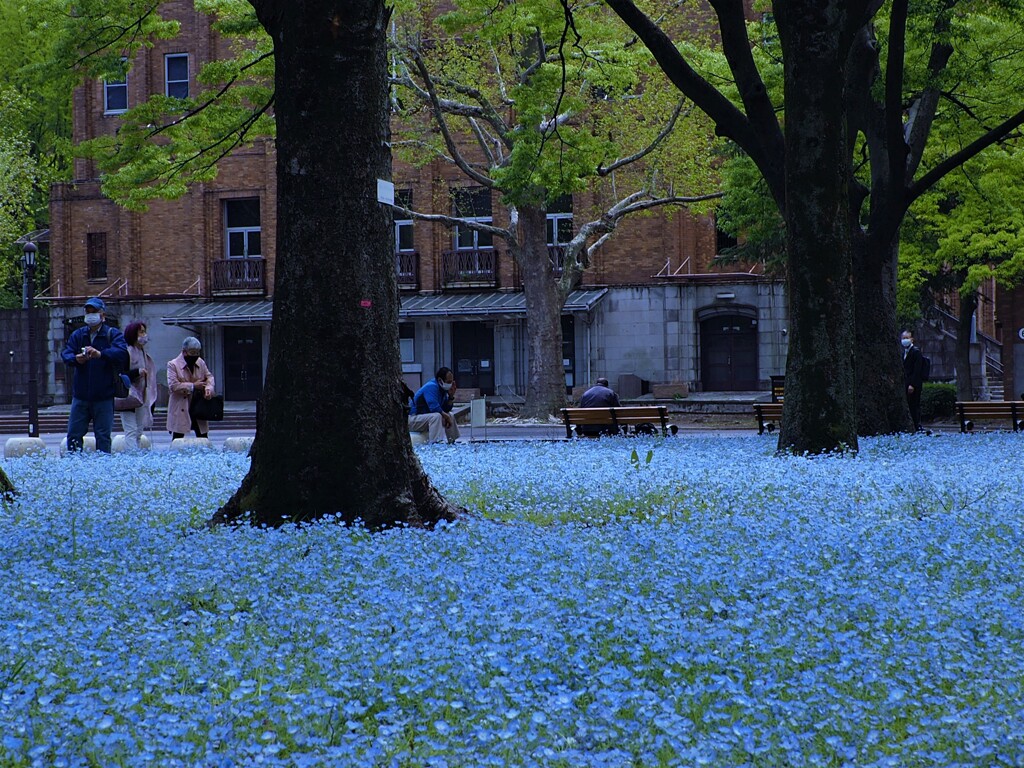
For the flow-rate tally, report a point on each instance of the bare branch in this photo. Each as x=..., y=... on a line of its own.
x=452, y=221
x=442, y=123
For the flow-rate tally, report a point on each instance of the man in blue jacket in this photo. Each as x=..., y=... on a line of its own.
x=98, y=353
x=430, y=410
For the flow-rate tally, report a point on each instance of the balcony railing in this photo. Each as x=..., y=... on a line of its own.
x=407, y=268
x=239, y=276
x=557, y=255
x=469, y=269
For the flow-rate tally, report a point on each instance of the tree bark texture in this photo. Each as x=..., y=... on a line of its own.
x=545, y=385
x=819, y=412
x=881, y=395
x=332, y=436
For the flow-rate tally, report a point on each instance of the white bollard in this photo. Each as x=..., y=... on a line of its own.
x=191, y=444
x=238, y=444
x=23, y=446
x=118, y=444
x=88, y=445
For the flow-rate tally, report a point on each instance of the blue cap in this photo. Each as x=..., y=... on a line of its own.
x=96, y=303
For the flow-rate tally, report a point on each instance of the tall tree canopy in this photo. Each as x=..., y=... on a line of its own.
x=898, y=68
x=533, y=109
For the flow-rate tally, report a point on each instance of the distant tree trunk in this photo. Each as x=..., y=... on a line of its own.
x=545, y=383
x=962, y=357
x=820, y=411
x=881, y=398
x=331, y=433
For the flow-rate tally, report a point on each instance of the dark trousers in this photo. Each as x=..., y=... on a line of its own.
x=195, y=428
x=914, y=401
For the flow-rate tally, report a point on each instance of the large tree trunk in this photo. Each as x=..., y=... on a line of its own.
x=881, y=396
x=545, y=385
x=962, y=358
x=820, y=411
x=331, y=432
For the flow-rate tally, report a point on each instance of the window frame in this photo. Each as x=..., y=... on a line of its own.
x=245, y=230
x=168, y=57
x=463, y=201
x=96, y=254
x=403, y=197
x=120, y=85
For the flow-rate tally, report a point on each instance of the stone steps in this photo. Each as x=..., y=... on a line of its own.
x=57, y=421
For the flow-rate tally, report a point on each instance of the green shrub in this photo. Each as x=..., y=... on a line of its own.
x=937, y=401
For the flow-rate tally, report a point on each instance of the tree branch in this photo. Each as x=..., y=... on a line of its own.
x=763, y=141
x=952, y=162
x=442, y=123
x=665, y=132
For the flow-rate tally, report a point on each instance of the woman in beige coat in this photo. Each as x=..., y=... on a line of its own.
x=187, y=377
x=142, y=372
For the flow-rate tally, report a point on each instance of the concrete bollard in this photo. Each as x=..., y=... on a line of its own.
x=117, y=445
x=23, y=446
x=238, y=444
x=191, y=444
x=88, y=445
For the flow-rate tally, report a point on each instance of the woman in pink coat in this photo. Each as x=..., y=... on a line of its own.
x=187, y=377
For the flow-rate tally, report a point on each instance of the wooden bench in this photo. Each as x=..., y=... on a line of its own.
x=617, y=420
x=769, y=416
x=1011, y=412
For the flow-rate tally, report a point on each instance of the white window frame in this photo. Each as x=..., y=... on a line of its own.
x=246, y=231
x=476, y=234
x=110, y=85
x=401, y=224
x=167, y=74
x=554, y=218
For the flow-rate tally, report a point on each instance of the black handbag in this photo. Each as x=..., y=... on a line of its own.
x=201, y=409
x=121, y=385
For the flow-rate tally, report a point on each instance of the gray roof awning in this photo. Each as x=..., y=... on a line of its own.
x=222, y=312
x=491, y=303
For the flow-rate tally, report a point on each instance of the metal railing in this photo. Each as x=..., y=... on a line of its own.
x=239, y=276
x=407, y=269
x=469, y=268
x=557, y=255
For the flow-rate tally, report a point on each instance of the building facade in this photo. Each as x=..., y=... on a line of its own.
x=654, y=304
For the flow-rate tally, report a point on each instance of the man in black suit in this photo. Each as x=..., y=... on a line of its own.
x=913, y=376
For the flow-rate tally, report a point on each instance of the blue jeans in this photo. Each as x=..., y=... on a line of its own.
x=100, y=413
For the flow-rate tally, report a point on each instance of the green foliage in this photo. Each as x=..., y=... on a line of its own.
x=748, y=213
x=550, y=106
x=164, y=145
x=938, y=401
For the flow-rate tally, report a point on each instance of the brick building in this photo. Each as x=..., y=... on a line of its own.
x=653, y=304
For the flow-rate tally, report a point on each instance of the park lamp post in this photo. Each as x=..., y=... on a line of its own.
x=28, y=265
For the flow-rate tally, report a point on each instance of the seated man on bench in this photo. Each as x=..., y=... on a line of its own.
x=430, y=410
x=599, y=396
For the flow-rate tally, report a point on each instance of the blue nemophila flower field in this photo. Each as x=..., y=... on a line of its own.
x=693, y=601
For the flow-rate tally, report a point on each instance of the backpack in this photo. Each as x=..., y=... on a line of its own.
x=926, y=368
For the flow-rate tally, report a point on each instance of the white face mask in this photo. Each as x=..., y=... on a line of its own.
x=143, y=340
x=906, y=343
x=446, y=386
x=92, y=319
